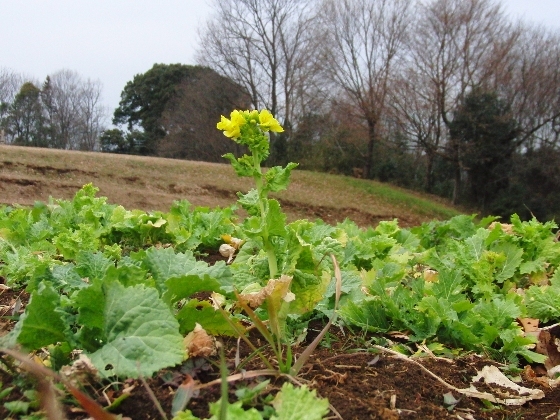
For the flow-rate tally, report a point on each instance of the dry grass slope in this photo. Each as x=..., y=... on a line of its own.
x=147, y=183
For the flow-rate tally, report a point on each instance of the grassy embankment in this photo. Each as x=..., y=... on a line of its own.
x=30, y=174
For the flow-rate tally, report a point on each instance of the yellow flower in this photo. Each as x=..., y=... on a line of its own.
x=232, y=127
x=268, y=122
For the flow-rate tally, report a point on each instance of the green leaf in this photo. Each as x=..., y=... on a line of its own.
x=369, y=315
x=17, y=407
x=182, y=287
x=543, y=302
x=67, y=278
x=92, y=265
x=440, y=310
x=90, y=303
x=142, y=336
x=513, y=260
x=242, y=166
x=275, y=219
x=278, y=178
x=234, y=411
x=498, y=312
x=210, y=319
x=449, y=285
x=41, y=324
x=164, y=264
x=185, y=415
x=290, y=404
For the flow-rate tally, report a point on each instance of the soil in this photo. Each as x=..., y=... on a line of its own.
x=359, y=381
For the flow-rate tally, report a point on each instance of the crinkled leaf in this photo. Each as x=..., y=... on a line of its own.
x=234, y=411
x=278, y=178
x=543, y=302
x=142, y=336
x=513, y=260
x=92, y=265
x=291, y=402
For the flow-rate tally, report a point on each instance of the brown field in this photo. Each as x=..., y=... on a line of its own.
x=148, y=183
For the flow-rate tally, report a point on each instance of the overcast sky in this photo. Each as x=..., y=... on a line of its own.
x=113, y=40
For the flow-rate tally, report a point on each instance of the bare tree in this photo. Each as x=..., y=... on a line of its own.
x=418, y=117
x=530, y=84
x=266, y=46
x=93, y=115
x=458, y=45
x=73, y=111
x=363, y=40
x=10, y=83
x=190, y=117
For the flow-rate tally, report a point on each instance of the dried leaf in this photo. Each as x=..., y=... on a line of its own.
x=199, y=344
x=227, y=251
x=517, y=395
x=548, y=344
x=277, y=289
x=529, y=324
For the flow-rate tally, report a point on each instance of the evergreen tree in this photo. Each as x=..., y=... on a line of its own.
x=25, y=121
x=484, y=132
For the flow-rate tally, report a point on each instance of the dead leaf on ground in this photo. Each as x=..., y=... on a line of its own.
x=199, y=343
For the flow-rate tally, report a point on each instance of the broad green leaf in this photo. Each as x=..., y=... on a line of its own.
x=164, y=264
x=66, y=277
x=449, y=285
x=182, y=287
x=291, y=402
x=210, y=319
x=142, y=336
x=275, y=219
x=90, y=303
x=499, y=312
x=128, y=275
x=42, y=324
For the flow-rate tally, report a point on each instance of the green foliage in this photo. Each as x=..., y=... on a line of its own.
x=289, y=404
x=122, y=286
x=94, y=287
x=149, y=96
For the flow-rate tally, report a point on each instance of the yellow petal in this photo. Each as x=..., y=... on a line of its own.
x=268, y=122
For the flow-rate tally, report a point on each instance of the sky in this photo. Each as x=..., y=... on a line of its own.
x=113, y=40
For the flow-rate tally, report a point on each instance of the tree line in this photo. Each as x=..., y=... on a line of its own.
x=446, y=96
x=451, y=97
x=65, y=112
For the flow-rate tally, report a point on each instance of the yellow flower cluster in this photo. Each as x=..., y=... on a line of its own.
x=232, y=126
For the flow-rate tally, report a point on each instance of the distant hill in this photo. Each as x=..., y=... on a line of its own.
x=148, y=183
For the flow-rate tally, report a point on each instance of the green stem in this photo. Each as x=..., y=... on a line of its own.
x=268, y=247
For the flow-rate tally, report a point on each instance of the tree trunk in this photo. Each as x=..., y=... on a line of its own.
x=371, y=143
x=430, y=172
x=457, y=174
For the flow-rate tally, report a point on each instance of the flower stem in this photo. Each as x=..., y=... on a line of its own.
x=268, y=247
